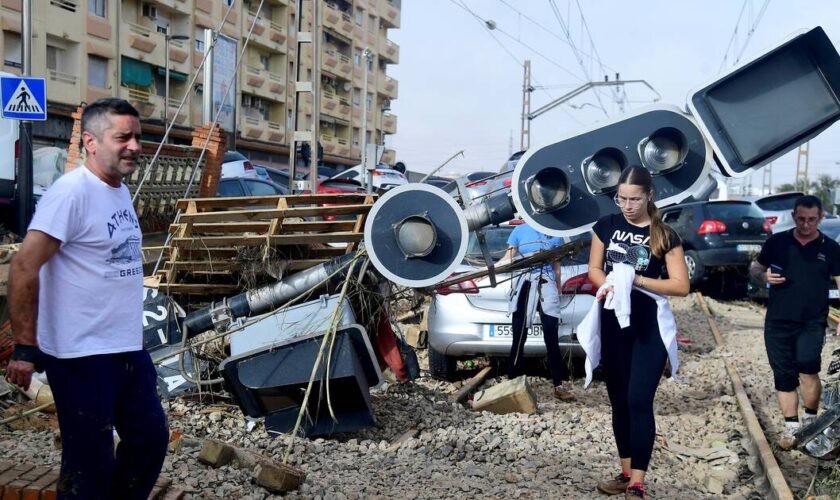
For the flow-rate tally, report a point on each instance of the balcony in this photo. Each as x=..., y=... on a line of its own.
x=145, y=102
x=389, y=87
x=179, y=56
x=143, y=44
x=329, y=103
x=389, y=156
x=389, y=10
x=337, y=20
x=183, y=6
x=389, y=123
x=253, y=128
x=389, y=51
x=330, y=143
x=179, y=118
x=345, y=110
x=65, y=18
x=262, y=30
x=343, y=148
x=276, y=134
x=345, y=67
x=277, y=34
x=277, y=86
x=329, y=60
x=64, y=87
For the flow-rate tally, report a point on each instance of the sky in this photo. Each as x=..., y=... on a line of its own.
x=460, y=83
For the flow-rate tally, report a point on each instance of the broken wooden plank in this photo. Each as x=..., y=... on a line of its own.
x=263, y=227
x=250, y=201
x=272, y=213
x=471, y=385
x=276, y=240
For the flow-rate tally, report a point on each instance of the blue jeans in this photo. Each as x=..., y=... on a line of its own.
x=93, y=396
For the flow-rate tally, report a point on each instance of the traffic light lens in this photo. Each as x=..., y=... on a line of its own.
x=603, y=169
x=664, y=150
x=416, y=236
x=548, y=190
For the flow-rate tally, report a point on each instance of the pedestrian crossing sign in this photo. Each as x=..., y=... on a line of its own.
x=23, y=98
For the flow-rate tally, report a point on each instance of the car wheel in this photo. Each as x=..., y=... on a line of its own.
x=695, y=266
x=441, y=366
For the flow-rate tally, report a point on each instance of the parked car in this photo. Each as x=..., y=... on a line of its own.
x=471, y=319
x=249, y=186
x=339, y=186
x=235, y=164
x=440, y=183
x=477, y=184
x=778, y=208
x=505, y=175
x=384, y=177
x=717, y=234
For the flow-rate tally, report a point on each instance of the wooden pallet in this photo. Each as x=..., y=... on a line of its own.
x=204, y=255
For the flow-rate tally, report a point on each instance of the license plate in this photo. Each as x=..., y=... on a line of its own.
x=834, y=294
x=748, y=248
x=506, y=331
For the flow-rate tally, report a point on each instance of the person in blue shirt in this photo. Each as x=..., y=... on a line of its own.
x=536, y=290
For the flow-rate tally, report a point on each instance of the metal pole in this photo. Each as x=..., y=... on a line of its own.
x=367, y=181
x=166, y=85
x=207, y=86
x=316, y=96
x=25, y=201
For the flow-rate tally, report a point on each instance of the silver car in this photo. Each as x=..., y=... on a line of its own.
x=777, y=209
x=471, y=319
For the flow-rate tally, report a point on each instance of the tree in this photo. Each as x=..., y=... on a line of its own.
x=821, y=188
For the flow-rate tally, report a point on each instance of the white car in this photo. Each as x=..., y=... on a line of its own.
x=384, y=177
x=235, y=164
x=471, y=319
x=778, y=208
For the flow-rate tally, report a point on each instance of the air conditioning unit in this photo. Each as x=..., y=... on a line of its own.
x=149, y=10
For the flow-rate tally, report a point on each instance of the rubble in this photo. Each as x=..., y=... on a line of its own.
x=511, y=396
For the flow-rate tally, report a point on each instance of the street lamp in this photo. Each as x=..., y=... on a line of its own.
x=168, y=37
x=366, y=177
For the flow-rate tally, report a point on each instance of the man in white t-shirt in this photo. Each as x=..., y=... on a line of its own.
x=76, y=304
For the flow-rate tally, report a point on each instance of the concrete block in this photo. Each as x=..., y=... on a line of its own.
x=215, y=453
x=414, y=336
x=713, y=485
x=507, y=397
x=278, y=478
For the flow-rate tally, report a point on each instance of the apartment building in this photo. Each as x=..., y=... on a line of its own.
x=88, y=49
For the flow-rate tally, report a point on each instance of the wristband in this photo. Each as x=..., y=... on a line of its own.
x=28, y=353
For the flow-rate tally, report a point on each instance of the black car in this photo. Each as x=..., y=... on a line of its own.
x=718, y=234
x=250, y=186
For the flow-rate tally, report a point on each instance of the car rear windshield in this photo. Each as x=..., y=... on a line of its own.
x=783, y=202
x=233, y=156
x=733, y=211
x=496, y=238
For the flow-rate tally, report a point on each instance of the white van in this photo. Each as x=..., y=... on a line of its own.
x=9, y=153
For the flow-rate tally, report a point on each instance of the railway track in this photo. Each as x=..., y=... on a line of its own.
x=787, y=475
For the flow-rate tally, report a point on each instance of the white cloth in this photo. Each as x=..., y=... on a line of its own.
x=621, y=279
x=546, y=293
x=589, y=330
x=90, y=299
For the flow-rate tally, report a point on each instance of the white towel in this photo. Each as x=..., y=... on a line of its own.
x=621, y=280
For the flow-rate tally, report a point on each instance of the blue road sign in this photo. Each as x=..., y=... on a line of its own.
x=23, y=98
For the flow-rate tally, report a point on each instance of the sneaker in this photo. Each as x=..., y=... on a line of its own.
x=787, y=441
x=564, y=395
x=635, y=491
x=614, y=486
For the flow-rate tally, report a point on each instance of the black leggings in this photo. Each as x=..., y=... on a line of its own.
x=550, y=328
x=633, y=360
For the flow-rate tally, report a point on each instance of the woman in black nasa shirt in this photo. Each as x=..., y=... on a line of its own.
x=633, y=358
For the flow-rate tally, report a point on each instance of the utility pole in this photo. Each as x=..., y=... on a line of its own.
x=367, y=177
x=525, y=134
x=767, y=179
x=26, y=205
x=802, y=167
x=311, y=36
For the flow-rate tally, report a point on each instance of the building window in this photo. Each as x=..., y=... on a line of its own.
x=53, y=57
x=360, y=16
x=12, y=48
x=357, y=97
x=370, y=101
x=356, y=137
x=97, y=71
x=370, y=64
x=357, y=57
x=290, y=120
x=98, y=7
x=372, y=24
x=265, y=61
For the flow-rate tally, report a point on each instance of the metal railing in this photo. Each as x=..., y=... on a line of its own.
x=138, y=95
x=254, y=70
x=70, y=5
x=276, y=77
x=140, y=30
x=59, y=76
x=277, y=27
x=275, y=126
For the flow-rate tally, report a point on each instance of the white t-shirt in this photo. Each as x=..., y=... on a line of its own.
x=90, y=299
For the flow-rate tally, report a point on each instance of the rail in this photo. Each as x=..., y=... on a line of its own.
x=139, y=30
x=69, y=5
x=59, y=76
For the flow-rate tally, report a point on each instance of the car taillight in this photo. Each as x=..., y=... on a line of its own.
x=580, y=284
x=17, y=149
x=711, y=227
x=772, y=219
x=768, y=224
x=248, y=166
x=507, y=182
x=516, y=222
x=377, y=173
x=466, y=286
